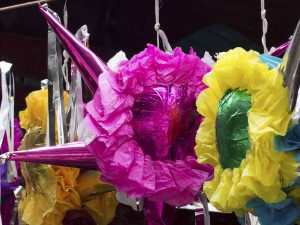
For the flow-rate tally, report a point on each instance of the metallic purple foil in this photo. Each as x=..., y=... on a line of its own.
x=176, y=121
x=86, y=61
x=145, y=120
x=73, y=154
x=7, y=200
x=4, y=148
x=280, y=50
x=7, y=189
x=159, y=213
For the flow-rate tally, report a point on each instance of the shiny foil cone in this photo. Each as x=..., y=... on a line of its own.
x=89, y=65
x=73, y=154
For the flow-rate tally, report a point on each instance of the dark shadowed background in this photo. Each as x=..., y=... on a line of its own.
x=211, y=25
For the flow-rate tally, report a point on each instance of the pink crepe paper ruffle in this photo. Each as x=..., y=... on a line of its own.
x=145, y=121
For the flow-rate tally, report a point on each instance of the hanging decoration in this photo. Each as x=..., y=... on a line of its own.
x=264, y=25
x=58, y=189
x=290, y=69
x=8, y=188
x=138, y=133
x=122, y=108
x=245, y=107
x=10, y=136
x=50, y=186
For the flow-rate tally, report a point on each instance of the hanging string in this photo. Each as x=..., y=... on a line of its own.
x=264, y=26
x=203, y=199
x=160, y=33
x=66, y=14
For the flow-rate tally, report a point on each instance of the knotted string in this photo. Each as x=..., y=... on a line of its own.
x=264, y=26
x=160, y=33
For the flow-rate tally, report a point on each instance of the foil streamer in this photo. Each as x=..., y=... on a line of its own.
x=7, y=113
x=55, y=77
x=232, y=128
x=290, y=68
x=75, y=103
x=87, y=62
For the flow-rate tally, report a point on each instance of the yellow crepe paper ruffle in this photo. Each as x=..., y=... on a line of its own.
x=51, y=191
x=264, y=172
x=36, y=112
x=97, y=197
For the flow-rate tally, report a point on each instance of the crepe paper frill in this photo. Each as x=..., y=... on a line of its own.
x=285, y=212
x=263, y=172
x=97, y=198
x=36, y=110
x=59, y=191
x=51, y=187
x=148, y=108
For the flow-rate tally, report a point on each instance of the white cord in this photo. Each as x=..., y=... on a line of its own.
x=66, y=14
x=264, y=26
x=160, y=33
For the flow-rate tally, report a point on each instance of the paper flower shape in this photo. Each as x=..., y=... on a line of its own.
x=50, y=187
x=62, y=193
x=245, y=106
x=144, y=119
